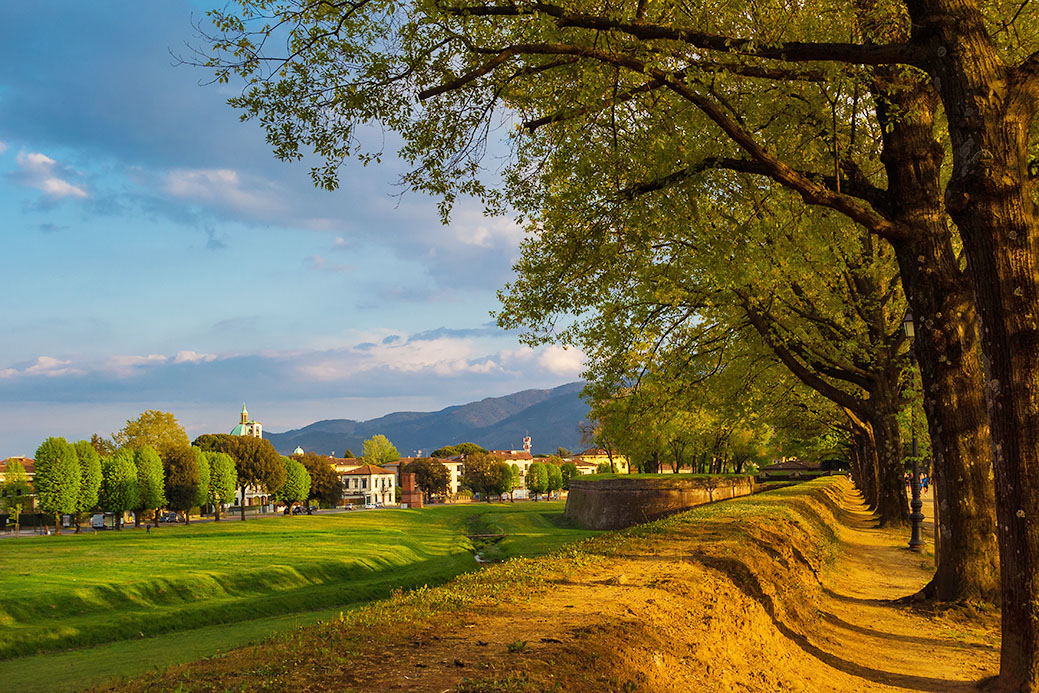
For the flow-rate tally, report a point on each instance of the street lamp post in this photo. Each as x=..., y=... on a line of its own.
x=916, y=516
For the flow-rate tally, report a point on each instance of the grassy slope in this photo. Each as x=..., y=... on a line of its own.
x=75, y=591
x=337, y=654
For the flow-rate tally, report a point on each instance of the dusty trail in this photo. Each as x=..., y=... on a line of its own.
x=737, y=600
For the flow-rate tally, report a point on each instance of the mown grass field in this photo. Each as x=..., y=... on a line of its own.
x=122, y=588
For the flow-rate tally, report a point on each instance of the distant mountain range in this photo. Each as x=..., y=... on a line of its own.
x=550, y=417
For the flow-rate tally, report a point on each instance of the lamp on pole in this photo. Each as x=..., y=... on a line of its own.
x=916, y=516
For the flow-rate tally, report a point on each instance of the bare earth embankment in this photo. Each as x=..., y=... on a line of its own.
x=789, y=590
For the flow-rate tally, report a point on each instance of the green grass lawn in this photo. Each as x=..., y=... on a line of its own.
x=58, y=593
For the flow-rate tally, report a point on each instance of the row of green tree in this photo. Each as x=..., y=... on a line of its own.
x=149, y=465
x=491, y=476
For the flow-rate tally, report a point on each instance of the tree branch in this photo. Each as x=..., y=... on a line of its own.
x=792, y=51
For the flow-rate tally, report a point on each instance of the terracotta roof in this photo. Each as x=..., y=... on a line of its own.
x=27, y=462
x=368, y=469
x=513, y=454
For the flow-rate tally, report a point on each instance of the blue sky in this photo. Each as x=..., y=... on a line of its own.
x=157, y=256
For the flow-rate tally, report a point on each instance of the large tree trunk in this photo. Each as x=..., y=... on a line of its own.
x=946, y=345
x=991, y=198
x=242, y=504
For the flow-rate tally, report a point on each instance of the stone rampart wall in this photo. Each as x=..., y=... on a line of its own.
x=619, y=503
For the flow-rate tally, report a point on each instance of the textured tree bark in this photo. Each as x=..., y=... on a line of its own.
x=991, y=198
x=946, y=345
x=892, y=503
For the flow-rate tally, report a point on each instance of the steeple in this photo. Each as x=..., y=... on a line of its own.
x=245, y=414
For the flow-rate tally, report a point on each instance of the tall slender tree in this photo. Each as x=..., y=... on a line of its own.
x=151, y=482
x=89, y=478
x=56, y=479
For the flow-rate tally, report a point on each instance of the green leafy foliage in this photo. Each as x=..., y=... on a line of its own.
x=157, y=429
x=378, y=450
x=204, y=474
x=567, y=472
x=182, y=478
x=57, y=477
x=325, y=485
x=486, y=474
x=119, y=491
x=15, y=490
x=89, y=476
x=430, y=475
x=455, y=450
x=151, y=480
x=223, y=479
x=257, y=463
x=296, y=488
x=537, y=479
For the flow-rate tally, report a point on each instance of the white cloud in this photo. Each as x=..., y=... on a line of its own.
x=224, y=187
x=3, y=147
x=470, y=227
x=561, y=360
x=45, y=366
x=44, y=173
x=193, y=357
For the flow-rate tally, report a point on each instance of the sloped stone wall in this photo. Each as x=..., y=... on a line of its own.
x=619, y=503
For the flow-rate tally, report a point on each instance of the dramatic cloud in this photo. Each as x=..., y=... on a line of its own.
x=47, y=175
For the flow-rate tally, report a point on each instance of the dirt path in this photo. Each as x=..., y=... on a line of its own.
x=736, y=601
x=679, y=616
x=884, y=645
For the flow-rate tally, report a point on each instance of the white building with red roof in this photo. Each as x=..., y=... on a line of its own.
x=368, y=484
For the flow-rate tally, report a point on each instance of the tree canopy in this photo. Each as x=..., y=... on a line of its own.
x=89, y=477
x=378, y=450
x=296, y=488
x=157, y=429
x=118, y=483
x=486, y=474
x=430, y=475
x=915, y=121
x=455, y=450
x=182, y=479
x=223, y=479
x=325, y=485
x=57, y=478
x=151, y=480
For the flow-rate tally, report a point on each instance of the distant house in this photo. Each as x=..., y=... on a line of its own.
x=454, y=469
x=27, y=462
x=597, y=456
x=369, y=484
x=30, y=470
x=792, y=467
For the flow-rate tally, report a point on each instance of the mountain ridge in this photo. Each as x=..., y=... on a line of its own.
x=551, y=417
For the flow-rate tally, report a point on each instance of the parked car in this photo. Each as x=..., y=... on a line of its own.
x=97, y=521
x=369, y=506
x=169, y=516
